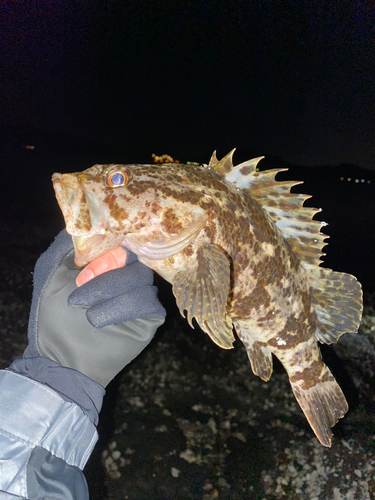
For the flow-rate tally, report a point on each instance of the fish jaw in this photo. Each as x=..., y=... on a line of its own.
x=88, y=248
x=81, y=209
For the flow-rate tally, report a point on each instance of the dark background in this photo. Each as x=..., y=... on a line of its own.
x=292, y=79
x=92, y=82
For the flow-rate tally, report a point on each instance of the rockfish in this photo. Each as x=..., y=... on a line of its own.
x=240, y=250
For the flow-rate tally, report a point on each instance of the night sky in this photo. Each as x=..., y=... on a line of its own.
x=290, y=79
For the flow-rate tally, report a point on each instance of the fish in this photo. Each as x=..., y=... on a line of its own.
x=242, y=253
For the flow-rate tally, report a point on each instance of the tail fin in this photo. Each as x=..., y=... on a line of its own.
x=322, y=403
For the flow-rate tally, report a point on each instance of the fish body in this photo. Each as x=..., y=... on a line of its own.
x=240, y=250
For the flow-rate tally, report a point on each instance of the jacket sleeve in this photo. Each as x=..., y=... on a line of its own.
x=46, y=439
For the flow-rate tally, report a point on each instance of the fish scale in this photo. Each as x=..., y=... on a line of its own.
x=240, y=250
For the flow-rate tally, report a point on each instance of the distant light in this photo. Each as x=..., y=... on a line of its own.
x=29, y=147
x=341, y=178
x=357, y=180
x=368, y=182
x=349, y=179
x=362, y=180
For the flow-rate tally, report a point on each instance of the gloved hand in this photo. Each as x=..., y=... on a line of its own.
x=97, y=328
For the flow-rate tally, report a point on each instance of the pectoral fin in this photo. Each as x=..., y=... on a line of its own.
x=203, y=292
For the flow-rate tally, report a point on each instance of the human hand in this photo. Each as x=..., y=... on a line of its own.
x=111, y=260
x=108, y=321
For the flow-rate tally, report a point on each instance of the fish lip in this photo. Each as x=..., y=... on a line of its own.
x=66, y=209
x=80, y=243
x=82, y=248
x=92, y=245
x=56, y=176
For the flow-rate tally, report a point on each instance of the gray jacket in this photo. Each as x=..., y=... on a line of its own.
x=45, y=438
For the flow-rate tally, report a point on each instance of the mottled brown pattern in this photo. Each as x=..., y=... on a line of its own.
x=241, y=306
x=83, y=221
x=155, y=208
x=188, y=251
x=117, y=212
x=136, y=188
x=210, y=230
x=267, y=317
x=246, y=170
x=171, y=223
x=313, y=374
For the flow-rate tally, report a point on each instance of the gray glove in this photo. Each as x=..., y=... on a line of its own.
x=108, y=321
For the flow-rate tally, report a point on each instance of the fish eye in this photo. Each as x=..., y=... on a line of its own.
x=117, y=178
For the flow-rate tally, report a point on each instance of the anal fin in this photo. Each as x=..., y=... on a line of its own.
x=259, y=356
x=203, y=290
x=260, y=360
x=323, y=404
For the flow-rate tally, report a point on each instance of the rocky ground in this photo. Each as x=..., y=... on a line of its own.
x=189, y=420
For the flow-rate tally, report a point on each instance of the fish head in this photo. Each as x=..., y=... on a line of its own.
x=108, y=205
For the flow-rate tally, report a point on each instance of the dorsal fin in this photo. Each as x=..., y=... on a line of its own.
x=285, y=208
x=287, y=211
x=337, y=297
x=223, y=166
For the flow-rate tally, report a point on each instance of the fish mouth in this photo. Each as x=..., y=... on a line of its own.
x=82, y=244
x=90, y=247
x=80, y=206
x=81, y=209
